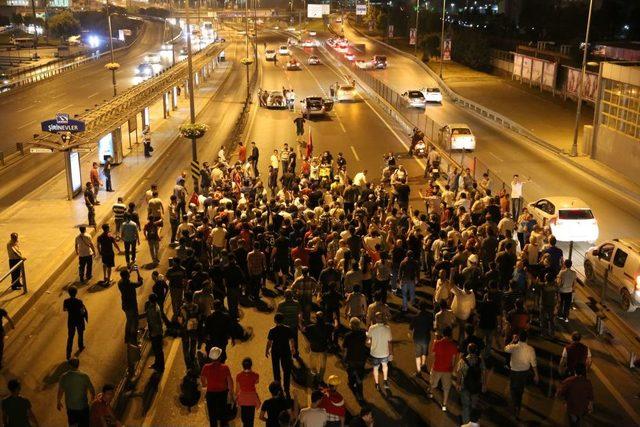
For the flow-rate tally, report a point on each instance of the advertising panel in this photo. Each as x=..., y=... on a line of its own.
x=536, y=71
x=317, y=10
x=589, y=86
x=526, y=68
x=105, y=147
x=361, y=9
x=446, y=51
x=390, y=31
x=517, y=65
x=549, y=74
x=412, y=36
x=76, y=178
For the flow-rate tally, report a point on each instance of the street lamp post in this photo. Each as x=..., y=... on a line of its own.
x=113, y=70
x=444, y=9
x=173, y=51
x=574, y=146
x=415, y=46
x=192, y=109
x=35, y=29
x=246, y=23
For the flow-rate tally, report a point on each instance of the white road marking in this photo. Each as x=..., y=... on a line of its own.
x=25, y=108
x=65, y=107
x=26, y=124
x=149, y=418
x=499, y=159
x=616, y=394
x=93, y=94
x=353, y=150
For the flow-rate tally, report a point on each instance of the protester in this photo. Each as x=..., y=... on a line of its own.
x=216, y=378
x=101, y=411
x=17, y=410
x=74, y=385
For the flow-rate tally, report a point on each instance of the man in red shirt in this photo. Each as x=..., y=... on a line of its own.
x=445, y=352
x=577, y=392
x=333, y=403
x=101, y=411
x=216, y=378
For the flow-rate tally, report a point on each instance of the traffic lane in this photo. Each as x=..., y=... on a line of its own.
x=73, y=92
x=42, y=330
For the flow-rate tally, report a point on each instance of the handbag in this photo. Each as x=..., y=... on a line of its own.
x=232, y=411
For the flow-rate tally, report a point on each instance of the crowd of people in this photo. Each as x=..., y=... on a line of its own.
x=334, y=247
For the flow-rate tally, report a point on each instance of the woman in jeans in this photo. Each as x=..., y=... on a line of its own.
x=246, y=395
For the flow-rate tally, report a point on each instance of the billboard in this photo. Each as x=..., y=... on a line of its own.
x=536, y=71
x=412, y=36
x=317, y=10
x=446, y=51
x=390, y=31
x=589, y=85
x=361, y=9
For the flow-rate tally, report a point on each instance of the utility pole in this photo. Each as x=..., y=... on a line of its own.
x=246, y=23
x=444, y=9
x=173, y=51
x=35, y=28
x=583, y=72
x=192, y=109
x=113, y=71
x=415, y=46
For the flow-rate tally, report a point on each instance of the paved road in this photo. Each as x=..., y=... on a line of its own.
x=407, y=403
x=506, y=154
x=23, y=110
x=35, y=351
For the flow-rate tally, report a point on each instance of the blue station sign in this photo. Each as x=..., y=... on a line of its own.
x=62, y=123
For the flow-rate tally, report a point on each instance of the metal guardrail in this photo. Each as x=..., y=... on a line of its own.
x=392, y=103
x=22, y=277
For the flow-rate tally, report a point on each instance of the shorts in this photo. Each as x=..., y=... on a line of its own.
x=281, y=266
x=421, y=348
x=436, y=377
x=377, y=361
x=108, y=260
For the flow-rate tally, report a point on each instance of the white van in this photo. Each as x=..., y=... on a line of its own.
x=621, y=258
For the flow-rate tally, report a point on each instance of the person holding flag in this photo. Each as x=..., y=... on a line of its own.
x=310, y=145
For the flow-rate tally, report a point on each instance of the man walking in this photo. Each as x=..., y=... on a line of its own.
x=106, y=171
x=152, y=233
x=90, y=202
x=408, y=275
x=290, y=309
x=16, y=410
x=299, y=122
x=15, y=256
x=577, y=393
x=74, y=386
x=129, y=301
x=471, y=380
x=355, y=354
x=253, y=158
x=280, y=347
x=77, y=315
x=94, y=177
x=118, y=209
x=106, y=243
x=523, y=359
x=131, y=237
x=85, y=251
x=420, y=327
x=566, y=280
x=379, y=336
x=445, y=352
x=156, y=331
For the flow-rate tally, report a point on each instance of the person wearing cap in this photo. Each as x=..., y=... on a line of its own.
x=355, y=354
x=313, y=415
x=216, y=378
x=333, y=403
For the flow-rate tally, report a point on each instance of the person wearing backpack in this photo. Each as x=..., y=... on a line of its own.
x=190, y=321
x=471, y=380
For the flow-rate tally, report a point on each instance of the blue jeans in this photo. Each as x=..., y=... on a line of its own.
x=408, y=287
x=468, y=401
x=394, y=277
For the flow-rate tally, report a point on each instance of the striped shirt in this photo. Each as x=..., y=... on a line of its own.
x=118, y=211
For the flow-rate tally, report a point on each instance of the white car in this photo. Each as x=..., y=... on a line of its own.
x=309, y=43
x=283, y=50
x=458, y=136
x=312, y=33
x=415, y=98
x=293, y=65
x=144, y=70
x=342, y=46
x=350, y=56
x=432, y=94
x=291, y=29
x=346, y=93
x=276, y=99
x=315, y=106
x=364, y=65
x=313, y=60
x=292, y=41
x=270, y=55
x=569, y=218
x=152, y=58
x=619, y=260
x=339, y=20
x=276, y=27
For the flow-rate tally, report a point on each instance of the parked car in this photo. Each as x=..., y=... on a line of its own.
x=275, y=99
x=270, y=55
x=432, y=94
x=315, y=106
x=570, y=218
x=313, y=60
x=283, y=50
x=458, y=136
x=346, y=93
x=415, y=98
x=293, y=65
x=619, y=260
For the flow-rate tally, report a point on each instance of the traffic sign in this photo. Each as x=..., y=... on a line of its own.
x=40, y=150
x=62, y=118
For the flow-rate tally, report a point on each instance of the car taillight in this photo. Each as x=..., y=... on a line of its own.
x=638, y=282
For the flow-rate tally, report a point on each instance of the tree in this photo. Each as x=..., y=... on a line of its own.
x=64, y=25
x=471, y=48
x=431, y=46
x=17, y=19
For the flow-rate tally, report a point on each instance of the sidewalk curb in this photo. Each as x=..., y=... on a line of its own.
x=557, y=152
x=64, y=264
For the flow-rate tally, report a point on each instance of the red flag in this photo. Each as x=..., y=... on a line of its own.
x=310, y=145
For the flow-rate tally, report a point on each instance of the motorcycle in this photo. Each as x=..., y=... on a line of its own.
x=434, y=169
x=420, y=149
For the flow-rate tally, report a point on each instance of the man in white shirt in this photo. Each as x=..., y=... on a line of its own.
x=360, y=180
x=85, y=251
x=566, y=279
x=313, y=416
x=218, y=238
x=506, y=225
x=523, y=359
x=379, y=337
x=516, y=196
x=274, y=161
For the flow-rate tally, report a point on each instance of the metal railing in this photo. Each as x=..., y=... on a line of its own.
x=16, y=274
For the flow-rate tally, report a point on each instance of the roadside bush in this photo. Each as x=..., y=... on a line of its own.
x=472, y=49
